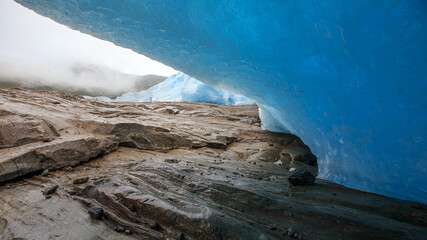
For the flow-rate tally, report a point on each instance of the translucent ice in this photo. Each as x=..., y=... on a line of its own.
x=183, y=88
x=348, y=77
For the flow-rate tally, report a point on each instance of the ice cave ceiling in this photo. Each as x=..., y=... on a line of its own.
x=348, y=77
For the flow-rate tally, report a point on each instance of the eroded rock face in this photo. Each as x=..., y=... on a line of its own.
x=17, y=130
x=204, y=172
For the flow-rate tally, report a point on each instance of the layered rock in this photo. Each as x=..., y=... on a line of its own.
x=172, y=171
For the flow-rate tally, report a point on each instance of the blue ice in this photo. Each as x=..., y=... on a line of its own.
x=348, y=77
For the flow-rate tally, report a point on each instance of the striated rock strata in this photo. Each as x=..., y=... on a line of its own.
x=171, y=171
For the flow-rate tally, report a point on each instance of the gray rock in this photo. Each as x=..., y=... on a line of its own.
x=301, y=177
x=96, y=213
x=128, y=232
x=51, y=189
x=119, y=229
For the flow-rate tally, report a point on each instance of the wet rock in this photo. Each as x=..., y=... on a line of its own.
x=300, y=176
x=119, y=229
x=96, y=213
x=51, y=189
x=81, y=180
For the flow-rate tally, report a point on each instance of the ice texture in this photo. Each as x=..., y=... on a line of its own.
x=182, y=88
x=348, y=77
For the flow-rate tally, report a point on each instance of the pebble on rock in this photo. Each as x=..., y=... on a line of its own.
x=81, y=180
x=272, y=228
x=51, y=189
x=128, y=232
x=291, y=232
x=132, y=208
x=119, y=229
x=155, y=226
x=300, y=176
x=96, y=213
x=45, y=173
x=69, y=169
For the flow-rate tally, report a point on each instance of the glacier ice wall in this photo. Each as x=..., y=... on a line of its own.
x=182, y=88
x=348, y=77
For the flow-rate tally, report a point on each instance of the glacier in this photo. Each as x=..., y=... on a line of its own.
x=182, y=88
x=348, y=77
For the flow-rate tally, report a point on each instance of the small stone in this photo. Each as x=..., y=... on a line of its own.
x=154, y=226
x=51, y=189
x=96, y=213
x=69, y=169
x=88, y=168
x=132, y=208
x=272, y=228
x=73, y=193
x=119, y=229
x=300, y=176
x=45, y=173
x=128, y=232
x=47, y=196
x=81, y=180
x=291, y=232
x=172, y=160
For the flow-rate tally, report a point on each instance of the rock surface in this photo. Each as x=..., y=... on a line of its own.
x=205, y=172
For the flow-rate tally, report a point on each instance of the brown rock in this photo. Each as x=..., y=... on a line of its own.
x=81, y=180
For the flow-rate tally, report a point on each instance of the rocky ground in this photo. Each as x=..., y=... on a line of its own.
x=74, y=168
